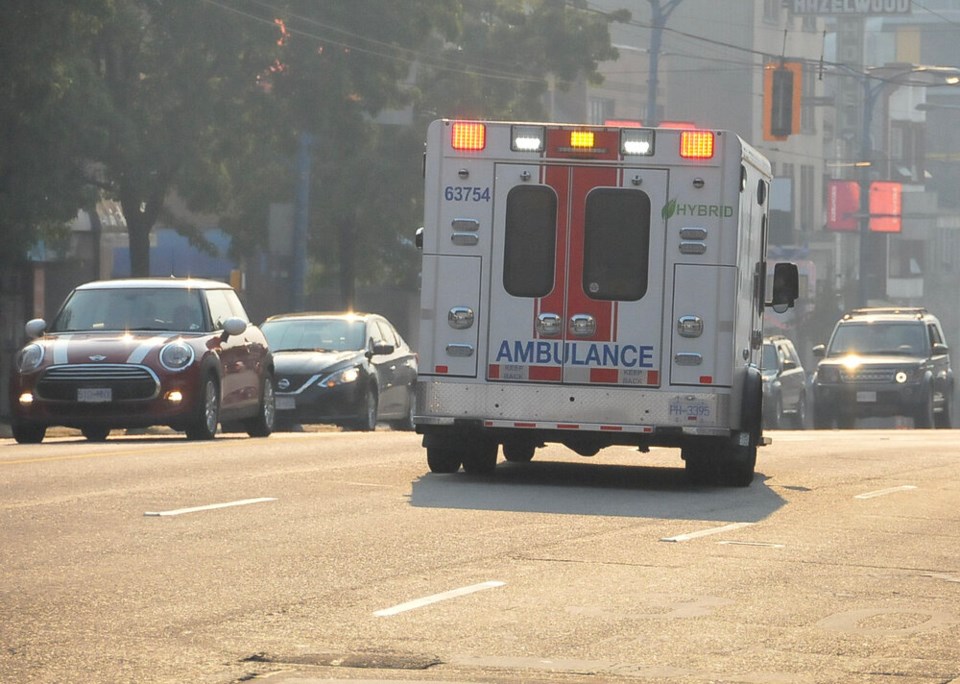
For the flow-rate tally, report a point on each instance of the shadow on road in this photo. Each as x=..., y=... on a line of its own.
x=595, y=489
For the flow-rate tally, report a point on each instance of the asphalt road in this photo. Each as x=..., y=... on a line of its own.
x=328, y=556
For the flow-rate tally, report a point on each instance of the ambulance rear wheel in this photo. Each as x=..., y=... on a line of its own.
x=443, y=460
x=481, y=458
x=698, y=467
x=518, y=452
x=738, y=465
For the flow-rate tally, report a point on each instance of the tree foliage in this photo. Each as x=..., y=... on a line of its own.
x=48, y=132
x=138, y=99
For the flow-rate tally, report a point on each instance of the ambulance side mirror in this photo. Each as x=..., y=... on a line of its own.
x=786, y=287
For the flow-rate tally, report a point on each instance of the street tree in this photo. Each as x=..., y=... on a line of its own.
x=51, y=122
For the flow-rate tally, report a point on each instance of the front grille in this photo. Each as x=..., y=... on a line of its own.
x=126, y=382
x=295, y=382
x=878, y=375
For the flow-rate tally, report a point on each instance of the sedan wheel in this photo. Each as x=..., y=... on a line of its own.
x=262, y=424
x=368, y=412
x=204, y=425
x=406, y=423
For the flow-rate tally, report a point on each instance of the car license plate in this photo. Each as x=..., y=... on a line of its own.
x=286, y=403
x=94, y=395
x=866, y=397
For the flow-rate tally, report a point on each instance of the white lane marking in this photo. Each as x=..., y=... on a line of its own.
x=765, y=545
x=704, y=533
x=427, y=600
x=210, y=507
x=883, y=492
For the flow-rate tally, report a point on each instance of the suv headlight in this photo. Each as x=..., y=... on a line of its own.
x=176, y=356
x=30, y=358
x=343, y=377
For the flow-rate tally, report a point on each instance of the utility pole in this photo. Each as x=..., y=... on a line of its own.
x=301, y=222
x=660, y=12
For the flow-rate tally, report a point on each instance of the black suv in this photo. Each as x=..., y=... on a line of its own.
x=884, y=362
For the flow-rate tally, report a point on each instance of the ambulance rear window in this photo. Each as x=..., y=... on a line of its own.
x=530, y=241
x=616, y=244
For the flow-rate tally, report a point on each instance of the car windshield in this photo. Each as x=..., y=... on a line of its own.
x=329, y=334
x=879, y=338
x=769, y=360
x=130, y=308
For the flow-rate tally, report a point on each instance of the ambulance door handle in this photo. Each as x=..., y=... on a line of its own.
x=549, y=324
x=582, y=325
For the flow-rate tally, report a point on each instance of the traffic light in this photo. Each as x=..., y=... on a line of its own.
x=781, y=99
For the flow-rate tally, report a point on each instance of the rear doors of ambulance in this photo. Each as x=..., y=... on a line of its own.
x=577, y=271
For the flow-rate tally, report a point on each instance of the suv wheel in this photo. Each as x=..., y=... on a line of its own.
x=943, y=419
x=924, y=418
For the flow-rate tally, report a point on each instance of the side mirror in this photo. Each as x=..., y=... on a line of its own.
x=233, y=326
x=940, y=348
x=35, y=328
x=418, y=238
x=786, y=287
x=383, y=349
x=819, y=350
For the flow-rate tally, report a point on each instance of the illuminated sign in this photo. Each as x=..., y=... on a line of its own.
x=850, y=7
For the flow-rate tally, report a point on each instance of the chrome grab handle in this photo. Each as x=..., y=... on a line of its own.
x=582, y=325
x=548, y=324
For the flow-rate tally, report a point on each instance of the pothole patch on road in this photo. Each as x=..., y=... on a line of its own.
x=373, y=660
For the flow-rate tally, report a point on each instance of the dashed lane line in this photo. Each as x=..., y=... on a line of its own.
x=209, y=507
x=436, y=598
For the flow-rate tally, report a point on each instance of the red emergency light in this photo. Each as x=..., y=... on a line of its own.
x=696, y=144
x=468, y=136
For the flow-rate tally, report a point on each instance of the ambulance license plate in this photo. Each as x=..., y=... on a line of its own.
x=94, y=395
x=286, y=403
x=867, y=397
x=689, y=409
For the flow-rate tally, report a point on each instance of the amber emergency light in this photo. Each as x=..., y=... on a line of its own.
x=696, y=144
x=468, y=136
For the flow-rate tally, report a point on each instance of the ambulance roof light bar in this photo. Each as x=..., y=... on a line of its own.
x=696, y=144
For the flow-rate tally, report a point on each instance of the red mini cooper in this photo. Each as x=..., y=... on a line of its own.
x=141, y=352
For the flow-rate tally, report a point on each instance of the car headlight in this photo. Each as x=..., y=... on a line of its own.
x=30, y=358
x=344, y=377
x=176, y=356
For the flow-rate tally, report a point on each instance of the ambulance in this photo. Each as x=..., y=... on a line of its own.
x=593, y=286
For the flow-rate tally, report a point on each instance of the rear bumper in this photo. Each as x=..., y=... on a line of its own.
x=570, y=408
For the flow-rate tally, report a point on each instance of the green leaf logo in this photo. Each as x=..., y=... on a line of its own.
x=669, y=209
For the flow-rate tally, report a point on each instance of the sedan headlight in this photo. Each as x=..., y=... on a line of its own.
x=343, y=377
x=30, y=358
x=176, y=356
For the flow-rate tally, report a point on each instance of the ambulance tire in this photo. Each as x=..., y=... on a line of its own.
x=699, y=468
x=480, y=458
x=519, y=452
x=443, y=460
x=738, y=465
